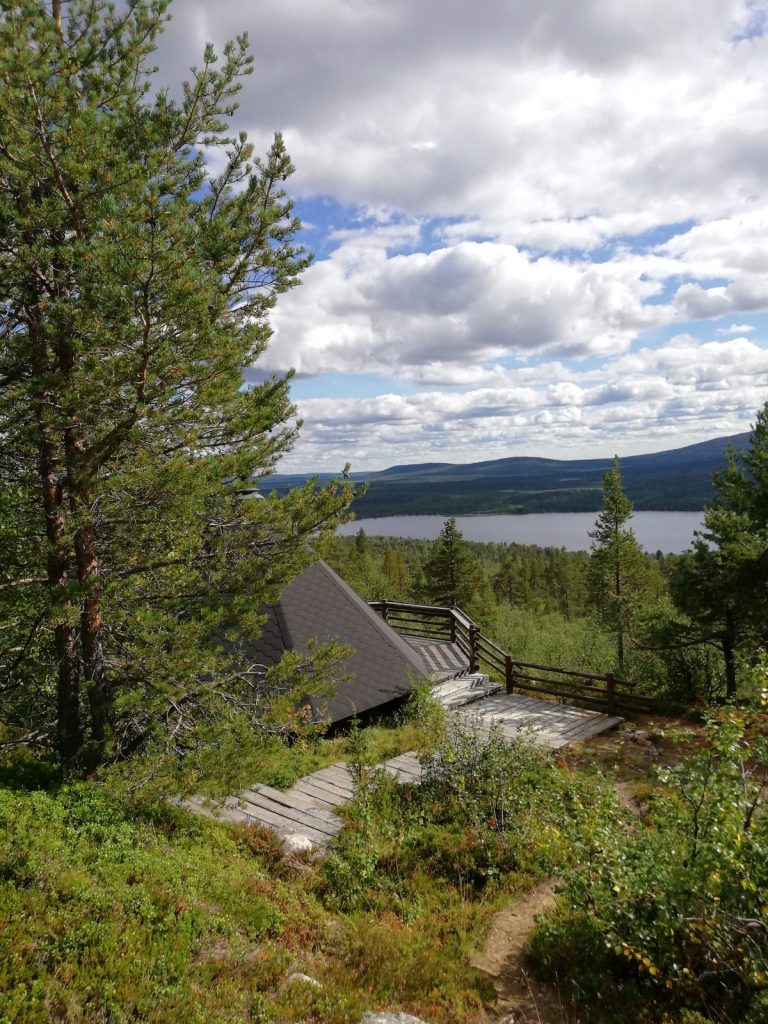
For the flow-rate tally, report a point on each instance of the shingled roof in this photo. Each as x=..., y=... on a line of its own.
x=318, y=603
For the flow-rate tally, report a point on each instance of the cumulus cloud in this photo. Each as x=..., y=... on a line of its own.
x=655, y=398
x=562, y=124
x=542, y=193
x=431, y=315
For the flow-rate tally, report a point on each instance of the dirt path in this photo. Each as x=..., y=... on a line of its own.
x=521, y=999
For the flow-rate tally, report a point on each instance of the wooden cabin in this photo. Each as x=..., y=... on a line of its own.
x=319, y=604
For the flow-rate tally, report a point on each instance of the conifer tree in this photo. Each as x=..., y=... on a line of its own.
x=721, y=584
x=617, y=573
x=135, y=288
x=451, y=576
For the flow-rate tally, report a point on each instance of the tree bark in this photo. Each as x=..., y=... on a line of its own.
x=69, y=730
x=728, y=643
x=91, y=626
x=87, y=567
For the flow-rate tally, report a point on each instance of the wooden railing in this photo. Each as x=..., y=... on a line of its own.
x=441, y=624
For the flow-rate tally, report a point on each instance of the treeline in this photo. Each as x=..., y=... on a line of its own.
x=542, y=579
x=688, y=627
x=387, y=498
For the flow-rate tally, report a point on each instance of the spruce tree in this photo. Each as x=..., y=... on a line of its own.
x=135, y=288
x=721, y=584
x=451, y=576
x=617, y=573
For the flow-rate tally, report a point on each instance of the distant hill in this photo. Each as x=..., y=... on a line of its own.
x=679, y=480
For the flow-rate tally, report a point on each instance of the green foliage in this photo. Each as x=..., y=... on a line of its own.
x=676, y=912
x=104, y=917
x=721, y=585
x=618, y=572
x=135, y=288
x=417, y=868
x=426, y=715
x=451, y=577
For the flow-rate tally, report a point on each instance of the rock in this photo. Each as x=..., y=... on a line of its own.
x=295, y=842
x=303, y=978
x=390, y=1018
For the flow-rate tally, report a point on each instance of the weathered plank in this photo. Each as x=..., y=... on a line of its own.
x=341, y=780
x=215, y=809
x=292, y=798
x=317, y=789
x=407, y=765
x=545, y=723
x=256, y=803
x=278, y=822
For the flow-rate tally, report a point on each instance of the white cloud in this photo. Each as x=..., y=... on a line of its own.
x=431, y=315
x=655, y=398
x=511, y=136
x=557, y=124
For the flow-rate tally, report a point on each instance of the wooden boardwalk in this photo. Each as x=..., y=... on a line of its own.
x=541, y=722
x=308, y=809
x=441, y=658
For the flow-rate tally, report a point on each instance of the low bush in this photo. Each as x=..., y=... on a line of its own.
x=675, y=912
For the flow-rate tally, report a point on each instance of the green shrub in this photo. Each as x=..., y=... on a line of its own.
x=677, y=911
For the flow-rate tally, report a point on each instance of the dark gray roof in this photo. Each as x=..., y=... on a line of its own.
x=319, y=604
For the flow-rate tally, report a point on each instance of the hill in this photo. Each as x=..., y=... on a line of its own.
x=675, y=480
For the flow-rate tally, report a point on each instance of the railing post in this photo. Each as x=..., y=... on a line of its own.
x=453, y=627
x=384, y=610
x=509, y=674
x=473, y=631
x=610, y=691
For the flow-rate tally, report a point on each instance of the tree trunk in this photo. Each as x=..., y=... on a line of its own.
x=94, y=669
x=69, y=731
x=91, y=621
x=728, y=643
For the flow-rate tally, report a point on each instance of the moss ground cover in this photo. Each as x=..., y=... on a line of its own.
x=131, y=910
x=117, y=909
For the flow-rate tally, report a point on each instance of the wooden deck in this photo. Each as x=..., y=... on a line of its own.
x=441, y=658
x=309, y=807
x=541, y=722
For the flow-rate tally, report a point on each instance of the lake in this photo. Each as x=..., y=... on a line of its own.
x=670, y=532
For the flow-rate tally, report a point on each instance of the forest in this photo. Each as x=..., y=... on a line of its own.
x=683, y=627
x=137, y=282
x=680, y=479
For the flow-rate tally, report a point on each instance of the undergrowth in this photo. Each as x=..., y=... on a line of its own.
x=116, y=909
x=670, y=918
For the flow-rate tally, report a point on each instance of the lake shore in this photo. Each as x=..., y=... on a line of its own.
x=669, y=532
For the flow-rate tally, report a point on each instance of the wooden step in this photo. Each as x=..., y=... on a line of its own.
x=464, y=690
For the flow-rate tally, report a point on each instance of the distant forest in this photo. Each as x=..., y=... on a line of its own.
x=676, y=480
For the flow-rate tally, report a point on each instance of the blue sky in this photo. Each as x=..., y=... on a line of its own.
x=538, y=229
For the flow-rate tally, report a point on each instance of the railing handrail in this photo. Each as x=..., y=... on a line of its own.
x=517, y=674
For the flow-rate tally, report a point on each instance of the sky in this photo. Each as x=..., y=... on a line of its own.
x=539, y=228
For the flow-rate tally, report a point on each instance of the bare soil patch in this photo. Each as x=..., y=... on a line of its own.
x=521, y=999
x=629, y=755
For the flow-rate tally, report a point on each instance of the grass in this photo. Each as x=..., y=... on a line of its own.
x=122, y=910
x=128, y=909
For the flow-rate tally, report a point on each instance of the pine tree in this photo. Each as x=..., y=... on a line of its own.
x=135, y=288
x=721, y=584
x=450, y=573
x=617, y=573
